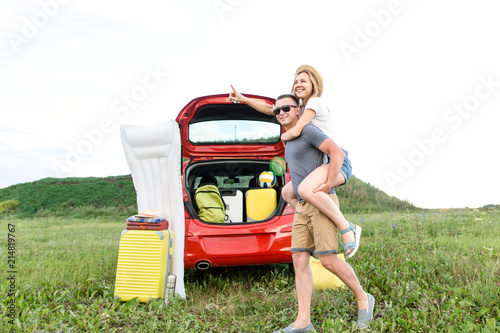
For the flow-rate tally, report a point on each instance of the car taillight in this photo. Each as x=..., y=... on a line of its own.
x=288, y=210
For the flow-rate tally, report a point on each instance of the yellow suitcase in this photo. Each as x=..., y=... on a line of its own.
x=144, y=263
x=260, y=204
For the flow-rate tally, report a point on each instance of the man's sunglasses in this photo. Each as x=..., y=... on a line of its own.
x=285, y=108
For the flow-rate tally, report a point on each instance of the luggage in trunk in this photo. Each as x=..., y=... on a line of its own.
x=260, y=204
x=234, y=204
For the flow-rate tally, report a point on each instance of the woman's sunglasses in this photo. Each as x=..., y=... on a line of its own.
x=285, y=108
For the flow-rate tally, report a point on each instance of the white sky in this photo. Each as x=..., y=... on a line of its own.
x=414, y=86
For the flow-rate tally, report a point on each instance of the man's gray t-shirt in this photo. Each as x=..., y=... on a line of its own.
x=303, y=156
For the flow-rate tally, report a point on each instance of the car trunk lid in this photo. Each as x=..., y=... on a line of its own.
x=213, y=127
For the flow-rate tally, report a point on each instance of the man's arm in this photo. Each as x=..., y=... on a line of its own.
x=336, y=159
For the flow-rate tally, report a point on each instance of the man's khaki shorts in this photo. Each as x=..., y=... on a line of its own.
x=313, y=231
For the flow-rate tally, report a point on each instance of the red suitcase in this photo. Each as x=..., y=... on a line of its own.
x=135, y=223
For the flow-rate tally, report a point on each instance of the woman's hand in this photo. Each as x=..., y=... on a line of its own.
x=290, y=134
x=257, y=104
x=235, y=96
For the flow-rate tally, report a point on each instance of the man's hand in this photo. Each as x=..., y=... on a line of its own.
x=323, y=188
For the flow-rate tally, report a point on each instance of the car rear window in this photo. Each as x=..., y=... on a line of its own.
x=234, y=132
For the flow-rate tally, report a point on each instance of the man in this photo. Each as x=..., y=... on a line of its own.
x=313, y=231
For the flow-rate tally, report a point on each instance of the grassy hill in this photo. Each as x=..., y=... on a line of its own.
x=78, y=197
x=112, y=196
x=358, y=196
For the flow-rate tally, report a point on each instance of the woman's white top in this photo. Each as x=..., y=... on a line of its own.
x=323, y=118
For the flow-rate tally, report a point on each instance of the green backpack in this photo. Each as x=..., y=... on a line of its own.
x=210, y=204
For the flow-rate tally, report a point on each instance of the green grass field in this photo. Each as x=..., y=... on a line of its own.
x=430, y=271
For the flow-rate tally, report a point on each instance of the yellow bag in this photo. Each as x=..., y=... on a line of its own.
x=323, y=278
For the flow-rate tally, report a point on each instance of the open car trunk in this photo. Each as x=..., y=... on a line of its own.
x=237, y=181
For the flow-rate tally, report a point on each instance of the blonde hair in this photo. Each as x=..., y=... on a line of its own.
x=316, y=81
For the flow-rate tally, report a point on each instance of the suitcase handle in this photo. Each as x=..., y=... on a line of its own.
x=227, y=191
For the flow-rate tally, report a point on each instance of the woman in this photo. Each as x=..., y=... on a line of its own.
x=308, y=87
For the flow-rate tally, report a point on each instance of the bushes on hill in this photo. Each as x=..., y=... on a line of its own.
x=67, y=196
x=360, y=197
x=8, y=205
x=116, y=196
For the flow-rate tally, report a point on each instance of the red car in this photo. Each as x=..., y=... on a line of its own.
x=233, y=143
